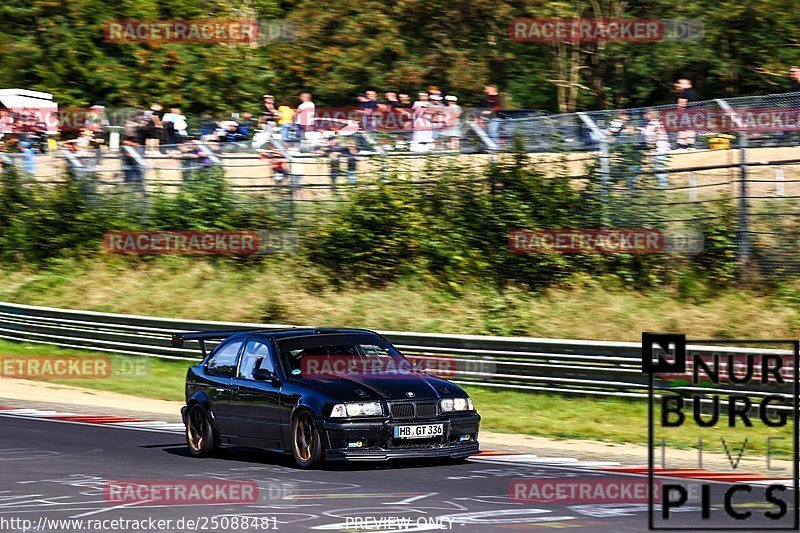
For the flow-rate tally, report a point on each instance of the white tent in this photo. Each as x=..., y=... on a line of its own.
x=37, y=102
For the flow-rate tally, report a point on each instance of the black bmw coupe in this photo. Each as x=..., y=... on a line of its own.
x=322, y=394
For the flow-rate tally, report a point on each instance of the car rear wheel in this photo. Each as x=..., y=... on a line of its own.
x=306, y=443
x=199, y=433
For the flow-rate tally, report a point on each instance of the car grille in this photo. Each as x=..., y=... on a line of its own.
x=426, y=410
x=403, y=410
x=412, y=410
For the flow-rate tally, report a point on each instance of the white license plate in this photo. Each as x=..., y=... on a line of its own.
x=419, y=432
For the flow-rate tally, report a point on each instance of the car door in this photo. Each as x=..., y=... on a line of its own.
x=219, y=369
x=256, y=404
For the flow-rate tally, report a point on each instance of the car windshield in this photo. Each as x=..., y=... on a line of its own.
x=331, y=354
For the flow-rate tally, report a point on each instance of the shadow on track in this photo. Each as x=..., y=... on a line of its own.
x=255, y=456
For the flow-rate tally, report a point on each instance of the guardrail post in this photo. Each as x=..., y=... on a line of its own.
x=605, y=163
x=779, y=191
x=139, y=174
x=743, y=251
x=744, y=232
x=293, y=181
x=692, y=187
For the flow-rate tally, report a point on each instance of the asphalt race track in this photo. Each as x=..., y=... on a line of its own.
x=58, y=470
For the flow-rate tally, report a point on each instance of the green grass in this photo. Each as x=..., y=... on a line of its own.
x=544, y=415
x=608, y=419
x=137, y=376
x=286, y=291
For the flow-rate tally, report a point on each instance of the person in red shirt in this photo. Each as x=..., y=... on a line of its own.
x=492, y=111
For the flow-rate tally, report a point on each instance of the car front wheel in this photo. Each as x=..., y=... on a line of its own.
x=199, y=433
x=306, y=443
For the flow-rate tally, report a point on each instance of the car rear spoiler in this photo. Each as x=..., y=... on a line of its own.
x=201, y=337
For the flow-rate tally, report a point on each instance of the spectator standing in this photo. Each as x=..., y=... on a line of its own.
x=285, y=121
x=305, y=115
x=392, y=101
x=794, y=73
x=134, y=124
x=404, y=110
x=269, y=114
x=130, y=167
x=28, y=157
x=657, y=139
x=175, y=126
x=332, y=149
x=153, y=126
x=436, y=114
x=422, y=138
x=422, y=100
x=369, y=110
x=452, y=127
x=391, y=111
x=97, y=121
x=247, y=125
x=351, y=154
x=405, y=101
x=686, y=93
x=492, y=111
x=686, y=96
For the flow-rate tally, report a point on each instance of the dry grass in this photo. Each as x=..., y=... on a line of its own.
x=283, y=291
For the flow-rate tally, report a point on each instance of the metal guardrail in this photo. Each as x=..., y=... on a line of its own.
x=531, y=364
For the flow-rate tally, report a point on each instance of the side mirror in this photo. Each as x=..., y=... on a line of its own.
x=262, y=374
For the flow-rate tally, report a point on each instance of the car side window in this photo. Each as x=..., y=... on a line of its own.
x=223, y=362
x=256, y=355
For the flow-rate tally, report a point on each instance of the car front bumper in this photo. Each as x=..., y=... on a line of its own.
x=376, y=442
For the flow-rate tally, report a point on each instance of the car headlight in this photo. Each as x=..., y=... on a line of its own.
x=456, y=404
x=341, y=410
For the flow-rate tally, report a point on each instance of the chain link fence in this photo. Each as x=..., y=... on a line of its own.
x=682, y=170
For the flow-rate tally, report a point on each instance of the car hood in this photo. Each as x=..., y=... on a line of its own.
x=389, y=386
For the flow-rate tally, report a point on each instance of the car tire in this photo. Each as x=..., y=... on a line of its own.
x=306, y=442
x=200, y=436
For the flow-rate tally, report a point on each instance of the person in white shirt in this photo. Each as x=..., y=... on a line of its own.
x=655, y=135
x=422, y=102
x=452, y=120
x=304, y=114
x=176, y=133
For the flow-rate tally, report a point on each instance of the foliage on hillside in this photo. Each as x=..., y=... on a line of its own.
x=453, y=230
x=343, y=47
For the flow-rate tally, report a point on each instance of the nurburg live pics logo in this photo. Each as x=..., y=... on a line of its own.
x=756, y=395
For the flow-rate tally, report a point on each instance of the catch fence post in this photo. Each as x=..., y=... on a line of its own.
x=605, y=163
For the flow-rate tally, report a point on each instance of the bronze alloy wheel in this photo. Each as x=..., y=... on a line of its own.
x=199, y=433
x=307, y=446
